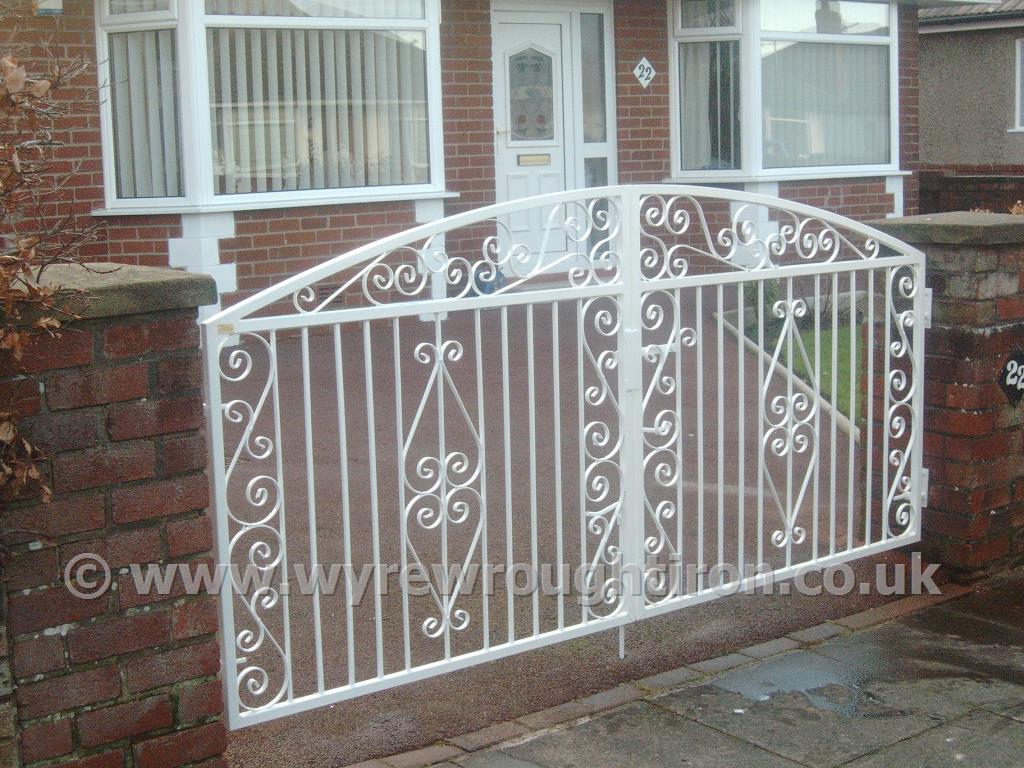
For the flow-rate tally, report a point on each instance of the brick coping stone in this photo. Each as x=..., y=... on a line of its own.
x=115, y=290
x=955, y=228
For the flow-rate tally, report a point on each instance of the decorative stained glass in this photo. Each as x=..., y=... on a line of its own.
x=531, y=96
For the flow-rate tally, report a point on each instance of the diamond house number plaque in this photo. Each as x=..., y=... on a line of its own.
x=1011, y=377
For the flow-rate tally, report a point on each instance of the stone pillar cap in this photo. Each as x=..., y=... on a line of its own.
x=114, y=290
x=955, y=228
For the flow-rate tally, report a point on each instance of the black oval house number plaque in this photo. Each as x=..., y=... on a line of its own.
x=1011, y=378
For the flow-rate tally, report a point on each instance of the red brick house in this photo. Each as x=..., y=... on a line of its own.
x=251, y=139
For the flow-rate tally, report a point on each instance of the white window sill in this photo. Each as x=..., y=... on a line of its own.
x=816, y=174
x=276, y=203
x=1015, y=130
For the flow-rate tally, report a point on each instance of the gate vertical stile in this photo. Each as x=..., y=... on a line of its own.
x=632, y=417
x=215, y=437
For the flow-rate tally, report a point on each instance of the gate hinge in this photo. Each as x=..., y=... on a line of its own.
x=924, y=488
x=927, y=308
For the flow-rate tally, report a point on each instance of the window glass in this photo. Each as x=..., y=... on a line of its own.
x=595, y=112
x=1020, y=83
x=707, y=14
x=144, y=105
x=710, y=105
x=827, y=17
x=139, y=6
x=381, y=9
x=531, y=87
x=839, y=115
x=297, y=109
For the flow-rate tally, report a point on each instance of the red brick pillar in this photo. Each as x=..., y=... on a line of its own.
x=974, y=436
x=119, y=679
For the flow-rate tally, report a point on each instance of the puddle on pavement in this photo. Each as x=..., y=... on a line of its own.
x=895, y=654
x=827, y=685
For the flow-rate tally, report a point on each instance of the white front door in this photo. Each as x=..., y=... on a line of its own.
x=533, y=116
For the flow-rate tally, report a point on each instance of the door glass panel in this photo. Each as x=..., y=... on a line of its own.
x=531, y=96
x=595, y=112
x=596, y=171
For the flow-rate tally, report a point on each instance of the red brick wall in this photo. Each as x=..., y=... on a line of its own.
x=863, y=199
x=117, y=405
x=643, y=114
x=466, y=83
x=975, y=515
x=910, y=145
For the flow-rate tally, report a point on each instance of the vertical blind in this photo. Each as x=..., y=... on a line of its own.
x=296, y=109
x=378, y=9
x=839, y=114
x=138, y=6
x=710, y=105
x=143, y=84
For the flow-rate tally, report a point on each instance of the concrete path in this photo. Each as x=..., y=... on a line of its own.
x=938, y=687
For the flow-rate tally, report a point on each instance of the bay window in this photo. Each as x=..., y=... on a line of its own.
x=776, y=88
x=278, y=102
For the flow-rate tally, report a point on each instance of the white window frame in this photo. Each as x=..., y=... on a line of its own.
x=748, y=31
x=190, y=20
x=1018, y=83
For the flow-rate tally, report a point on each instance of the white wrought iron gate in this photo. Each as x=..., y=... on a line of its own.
x=443, y=448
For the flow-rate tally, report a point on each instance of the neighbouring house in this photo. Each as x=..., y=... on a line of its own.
x=972, y=106
x=250, y=139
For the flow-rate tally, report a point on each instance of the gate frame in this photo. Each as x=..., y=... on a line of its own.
x=219, y=330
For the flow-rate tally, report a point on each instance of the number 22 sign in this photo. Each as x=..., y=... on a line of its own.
x=1011, y=378
x=644, y=72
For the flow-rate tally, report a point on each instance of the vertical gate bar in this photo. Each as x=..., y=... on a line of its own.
x=790, y=330
x=869, y=420
x=678, y=565
x=887, y=390
x=581, y=418
x=509, y=592
x=741, y=477
x=556, y=382
x=215, y=429
x=442, y=490
x=400, y=447
x=371, y=440
x=631, y=411
x=833, y=493
x=761, y=395
x=307, y=401
x=851, y=458
x=720, y=355
x=531, y=388
x=699, y=327
x=346, y=527
x=817, y=415
x=482, y=447
x=917, y=399
x=286, y=628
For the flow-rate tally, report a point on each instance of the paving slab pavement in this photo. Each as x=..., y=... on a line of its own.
x=941, y=687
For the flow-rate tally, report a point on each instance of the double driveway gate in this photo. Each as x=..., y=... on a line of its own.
x=446, y=447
